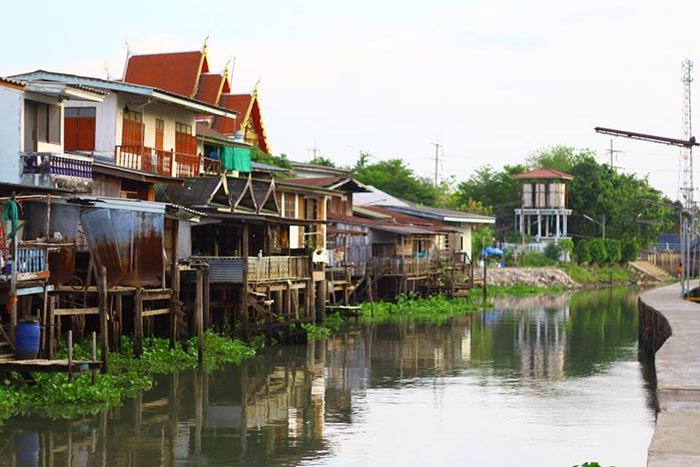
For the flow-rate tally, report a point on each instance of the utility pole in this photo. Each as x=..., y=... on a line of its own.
x=612, y=153
x=437, y=157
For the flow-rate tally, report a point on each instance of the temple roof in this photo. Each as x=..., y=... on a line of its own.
x=176, y=72
x=210, y=86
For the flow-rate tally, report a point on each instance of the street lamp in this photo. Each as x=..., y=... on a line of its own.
x=602, y=225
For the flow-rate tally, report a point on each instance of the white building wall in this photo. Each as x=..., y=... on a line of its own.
x=11, y=116
x=110, y=113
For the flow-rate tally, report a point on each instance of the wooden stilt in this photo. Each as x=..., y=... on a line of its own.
x=138, y=322
x=199, y=315
x=52, y=329
x=104, y=324
x=206, y=299
x=70, y=355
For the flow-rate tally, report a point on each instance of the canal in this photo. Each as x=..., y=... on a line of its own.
x=540, y=381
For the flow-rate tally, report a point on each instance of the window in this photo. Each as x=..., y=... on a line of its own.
x=290, y=205
x=79, y=129
x=132, y=129
x=160, y=128
x=185, y=141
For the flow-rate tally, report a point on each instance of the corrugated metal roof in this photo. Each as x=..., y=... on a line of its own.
x=120, y=86
x=194, y=192
x=445, y=215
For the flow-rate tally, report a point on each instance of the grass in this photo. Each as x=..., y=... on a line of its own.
x=598, y=275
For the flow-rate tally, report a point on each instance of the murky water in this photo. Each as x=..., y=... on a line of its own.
x=532, y=382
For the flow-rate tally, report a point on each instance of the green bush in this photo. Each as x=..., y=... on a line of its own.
x=630, y=249
x=596, y=248
x=535, y=259
x=582, y=251
x=552, y=251
x=613, y=248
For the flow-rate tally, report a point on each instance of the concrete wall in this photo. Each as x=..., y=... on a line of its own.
x=11, y=116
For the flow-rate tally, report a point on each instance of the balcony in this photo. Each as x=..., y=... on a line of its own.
x=230, y=269
x=32, y=264
x=166, y=163
x=57, y=170
x=399, y=266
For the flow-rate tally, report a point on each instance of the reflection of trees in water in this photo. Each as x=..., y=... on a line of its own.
x=275, y=408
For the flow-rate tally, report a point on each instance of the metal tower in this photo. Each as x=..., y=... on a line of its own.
x=685, y=174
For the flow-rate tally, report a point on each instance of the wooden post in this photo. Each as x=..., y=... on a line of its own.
x=244, y=318
x=138, y=322
x=175, y=285
x=118, y=325
x=51, y=344
x=45, y=317
x=94, y=353
x=199, y=315
x=104, y=324
x=206, y=299
x=288, y=302
x=321, y=301
x=70, y=355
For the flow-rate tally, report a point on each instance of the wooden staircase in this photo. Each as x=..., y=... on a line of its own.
x=649, y=271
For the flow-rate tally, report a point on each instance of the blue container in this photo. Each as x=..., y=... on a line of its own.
x=28, y=337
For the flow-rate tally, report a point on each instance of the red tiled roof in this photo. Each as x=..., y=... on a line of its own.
x=175, y=72
x=237, y=102
x=209, y=88
x=544, y=174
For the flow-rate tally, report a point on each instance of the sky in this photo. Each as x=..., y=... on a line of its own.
x=490, y=81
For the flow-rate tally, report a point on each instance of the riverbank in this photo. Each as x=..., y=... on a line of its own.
x=567, y=276
x=670, y=328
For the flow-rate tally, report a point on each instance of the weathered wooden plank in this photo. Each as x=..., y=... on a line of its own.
x=156, y=312
x=76, y=311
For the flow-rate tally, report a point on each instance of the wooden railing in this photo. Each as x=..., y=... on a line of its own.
x=400, y=266
x=260, y=269
x=270, y=268
x=31, y=264
x=167, y=163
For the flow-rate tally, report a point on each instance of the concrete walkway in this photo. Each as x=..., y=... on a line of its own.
x=676, y=441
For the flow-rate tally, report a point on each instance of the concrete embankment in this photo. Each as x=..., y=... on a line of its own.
x=670, y=327
x=540, y=277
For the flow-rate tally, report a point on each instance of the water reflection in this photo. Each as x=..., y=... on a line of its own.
x=537, y=373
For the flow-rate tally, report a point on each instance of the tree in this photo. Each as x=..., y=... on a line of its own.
x=396, y=178
x=630, y=248
x=481, y=238
x=324, y=161
x=562, y=158
x=497, y=191
x=257, y=155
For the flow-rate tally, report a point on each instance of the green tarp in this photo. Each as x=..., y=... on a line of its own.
x=236, y=159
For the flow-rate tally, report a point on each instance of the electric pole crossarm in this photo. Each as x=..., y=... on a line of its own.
x=651, y=138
